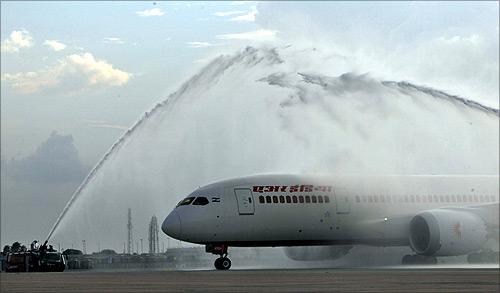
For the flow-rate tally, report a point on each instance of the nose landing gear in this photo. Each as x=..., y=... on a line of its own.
x=223, y=262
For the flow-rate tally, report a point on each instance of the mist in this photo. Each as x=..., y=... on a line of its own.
x=269, y=110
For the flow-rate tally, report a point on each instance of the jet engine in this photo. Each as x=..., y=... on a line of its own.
x=443, y=232
x=311, y=253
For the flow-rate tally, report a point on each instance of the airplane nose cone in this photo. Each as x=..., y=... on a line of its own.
x=172, y=225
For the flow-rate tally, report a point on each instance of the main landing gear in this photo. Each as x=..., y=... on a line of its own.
x=419, y=259
x=223, y=262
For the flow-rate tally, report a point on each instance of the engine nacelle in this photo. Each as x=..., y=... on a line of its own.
x=444, y=232
x=311, y=253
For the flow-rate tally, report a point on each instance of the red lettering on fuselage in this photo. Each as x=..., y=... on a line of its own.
x=291, y=189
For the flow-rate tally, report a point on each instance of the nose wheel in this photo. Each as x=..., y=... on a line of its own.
x=223, y=262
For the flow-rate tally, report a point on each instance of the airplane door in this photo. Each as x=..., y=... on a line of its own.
x=245, y=201
x=342, y=200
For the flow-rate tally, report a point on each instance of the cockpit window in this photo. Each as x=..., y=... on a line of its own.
x=200, y=201
x=186, y=201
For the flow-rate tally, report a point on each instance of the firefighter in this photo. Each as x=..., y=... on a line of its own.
x=35, y=245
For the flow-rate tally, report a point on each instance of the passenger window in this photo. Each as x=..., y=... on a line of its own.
x=282, y=199
x=412, y=198
x=464, y=198
x=436, y=198
x=375, y=198
x=470, y=198
x=370, y=198
x=447, y=198
x=459, y=198
x=388, y=197
x=327, y=199
x=475, y=198
x=417, y=197
x=186, y=201
x=261, y=199
x=364, y=198
x=481, y=198
x=294, y=199
x=308, y=199
x=429, y=198
x=406, y=198
x=441, y=198
x=268, y=199
x=301, y=199
x=200, y=201
x=320, y=199
x=382, y=198
x=492, y=198
x=314, y=200
x=288, y=199
x=275, y=199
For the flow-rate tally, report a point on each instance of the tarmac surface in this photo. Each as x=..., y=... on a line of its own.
x=277, y=280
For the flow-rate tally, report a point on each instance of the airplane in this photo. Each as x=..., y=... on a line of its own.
x=435, y=215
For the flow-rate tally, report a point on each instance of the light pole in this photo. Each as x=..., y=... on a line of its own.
x=142, y=249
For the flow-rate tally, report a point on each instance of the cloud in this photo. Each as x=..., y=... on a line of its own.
x=242, y=2
x=54, y=161
x=55, y=45
x=229, y=13
x=250, y=16
x=16, y=41
x=73, y=73
x=199, y=44
x=150, y=12
x=258, y=35
x=113, y=40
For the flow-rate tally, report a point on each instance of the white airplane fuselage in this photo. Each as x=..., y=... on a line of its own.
x=294, y=210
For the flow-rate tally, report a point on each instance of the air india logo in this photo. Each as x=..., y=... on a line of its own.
x=457, y=228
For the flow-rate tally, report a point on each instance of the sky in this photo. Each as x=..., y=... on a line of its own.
x=76, y=75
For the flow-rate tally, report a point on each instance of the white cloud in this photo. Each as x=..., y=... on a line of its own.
x=113, y=40
x=258, y=35
x=250, y=16
x=55, y=45
x=73, y=73
x=150, y=12
x=229, y=13
x=471, y=40
x=242, y=2
x=16, y=41
x=199, y=44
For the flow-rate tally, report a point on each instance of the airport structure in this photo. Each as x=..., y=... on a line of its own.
x=129, y=232
x=154, y=243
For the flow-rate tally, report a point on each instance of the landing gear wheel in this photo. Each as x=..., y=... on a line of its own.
x=217, y=263
x=419, y=260
x=225, y=263
x=222, y=263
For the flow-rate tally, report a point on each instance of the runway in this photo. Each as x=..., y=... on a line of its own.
x=279, y=280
